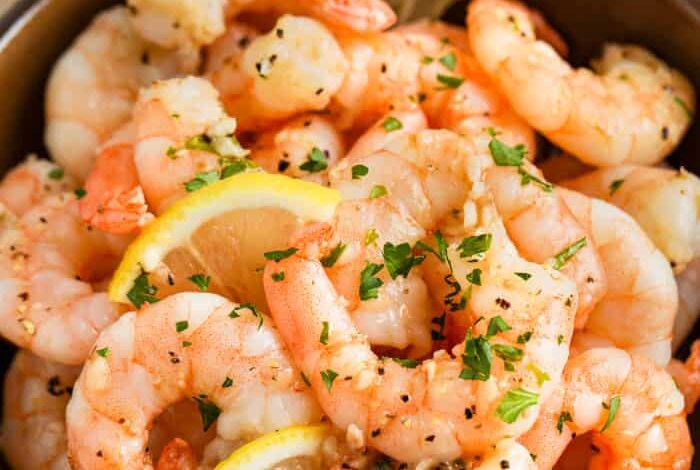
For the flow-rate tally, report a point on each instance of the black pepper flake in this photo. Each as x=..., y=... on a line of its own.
x=380, y=371
x=243, y=42
x=307, y=123
x=505, y=464
x=145, y=58
x=319, y=91
x=54, y=386
x=347, y=377
x=376, y=432
x=42, y=220
x=122, y=420
x=273, y=58
x=468, y=413
x=23, y=296
x=573, y=436
x=664, y=133
x=99, y=453
x=595, y=448
x=282, y=165
x=279, y=32
x=171, y=279
x=430, y=438
x=176, y=25
x=589, y=279
x=405, y=398
x=503, y=303
x=383, y=68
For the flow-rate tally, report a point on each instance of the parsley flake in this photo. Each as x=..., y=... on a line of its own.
x=279, y=255
x=378, y=190
x=564, y=417
x=80, y=193
x=328, y=376
x=208, y=410
x=335, y=253
x=477, y=358
x=476, y=245
x=615, y=185
x=427, y=59
x=497, y=325
x=392, y=124
x=252, y=309
x=371, y=236
x=449, y=61
x=103, y=352
x=561, y=258
x=316, y=161
x=612, y=411
x=514, y=403
x=450, y=82
x=203, y=178
x=181, y=326
x=679, y=101
x=324, y=333
x=505, y=155
x=540, y=375
x=525, y=337
x=507, y=352
x=441, y=251
x=358, y=171
x=228, y=382
x=399, y=259
x=523, y=276
x=305, y=379
x=278, y=277
x=475, y=277
x=407, y=363
x=56, y=173
x=142, y=292
x=527, y=178
x=201, y=281
x=369, y=285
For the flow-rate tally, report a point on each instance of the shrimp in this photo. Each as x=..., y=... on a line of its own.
x=663, y=201
x=179, y=131
x=687, y=376
x=94, y=85
x=542, y=227
x=52, y=264
x=688, y=302
x=631, y=406
x=425, y=410
x=305, y=147
x=31, y=181
x=228, y=357
x=296, y=67
x=639, y=308
x=635, y=109
x=35, y=396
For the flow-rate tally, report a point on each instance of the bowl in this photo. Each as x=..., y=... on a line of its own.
x=35, y=33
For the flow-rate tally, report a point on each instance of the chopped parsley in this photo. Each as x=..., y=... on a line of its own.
x=279, y=255
x=181, y=326
x=497, y=325
x=475, y=277
x=449, y=61
x=612, y=411
x=449, y=82
x=278, y=277
x=525, y=337
x=407, y=363
x=561, y=258
x=507, y=353
x=358, y=171
x=252, y=309
x=438, y=335
x=441, y=251
x=324, y=333
x=142, y=292
x=233, y=168
x=524, y=276
x=514, y=403
x=201, y=281
x=316, y=161
x=427, y=59
x=371, y=236
x=378, y=190
x=56, y=173
x=228, y=382
x=476, y=245
x=505, y=155
x=80, y=193
x=305, y=379
x=103, y=352
x=399, y=259
x=477, y=358
x=203, y=178
x=335, y=253
x=560, y=339
x=679, y=101
x=615, y=185
x=527, y=178
x=564, y=417
x=328, y=376
x=186, y=344
x=208, y=410
x=392, y=124
x=540, y=375
x=369, y=285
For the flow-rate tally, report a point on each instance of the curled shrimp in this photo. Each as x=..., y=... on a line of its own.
x=296, y=67
x=228, y=357
x=687, y=376
x=663, y=201
x=425, y=410
x=305, y=147
x=639, y=308
x=94, y=85
x=31, y=181
x=34, y=403
x=635, y=109
x=631, y=406
x=52, y=264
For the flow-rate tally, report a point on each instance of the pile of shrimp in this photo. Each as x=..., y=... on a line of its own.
x=503, y=285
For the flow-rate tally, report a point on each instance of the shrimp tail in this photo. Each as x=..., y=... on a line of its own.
x=114, y=201
x=177, y=455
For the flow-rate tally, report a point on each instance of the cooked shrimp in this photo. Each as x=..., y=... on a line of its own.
x=296, y=67
x=638, y=310
x=420, y=411
x=542, y=227
x=632, y=407
x=227, y=357
x=663, y=201
x=305, y=147
x=34, y=403
x=49, y=258
x=94, y=85
x=634, y=110
x=31, y=181
x=687, y=376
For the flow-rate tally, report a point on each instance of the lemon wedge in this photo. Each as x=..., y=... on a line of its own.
x=214, y=238
x=297, y=447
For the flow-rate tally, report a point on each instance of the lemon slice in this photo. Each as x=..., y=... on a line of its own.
x=214, y=238
x=294, y=448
